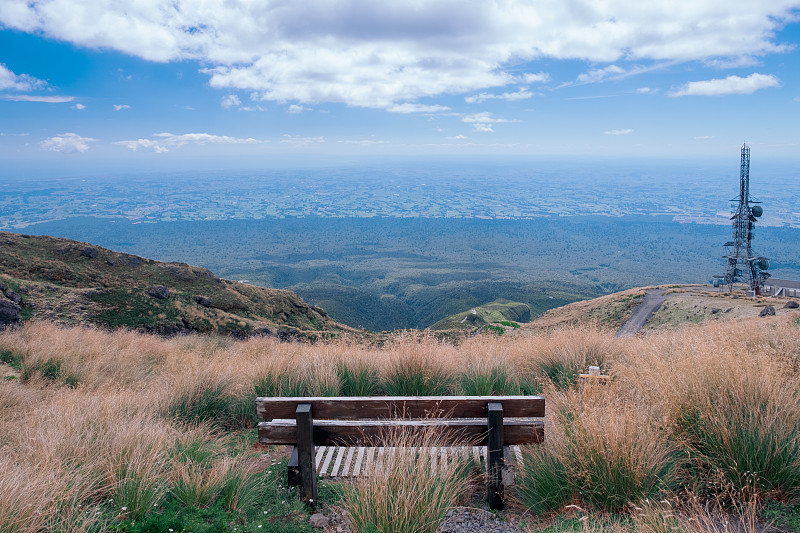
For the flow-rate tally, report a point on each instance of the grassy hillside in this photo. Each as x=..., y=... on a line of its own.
x=684, y=305
x=78, y=283
x=695, y=432
x=499, y=314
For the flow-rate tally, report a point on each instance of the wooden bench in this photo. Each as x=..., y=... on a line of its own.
x=492, y=421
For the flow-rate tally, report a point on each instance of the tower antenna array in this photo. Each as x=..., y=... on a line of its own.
x=743, y=264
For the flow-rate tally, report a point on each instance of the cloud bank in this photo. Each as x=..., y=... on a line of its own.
x=67, y=143
x=376, y=54
x=165, y=141
x=729, y=85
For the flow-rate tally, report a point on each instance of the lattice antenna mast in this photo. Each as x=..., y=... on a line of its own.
x=743, y=264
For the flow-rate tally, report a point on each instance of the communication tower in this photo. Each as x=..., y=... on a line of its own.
x=743, y=264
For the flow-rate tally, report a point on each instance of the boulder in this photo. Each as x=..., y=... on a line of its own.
x=89, y=251
x=791, y=304
x=767, y=311
x=205, y=302
x=159, y=291
x=13, y=296
x=319, y=521
x=9, y=313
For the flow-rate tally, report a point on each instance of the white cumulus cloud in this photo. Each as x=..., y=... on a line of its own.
x=79, y=107
x=120, y=107
x=417, y=108
x=67, y=142
x=18, y=82
x=376, y=54
x=729, y=85
x=165, y=141
x=539, y=77
x=230, y=100
x=295, y=109
x=618, y=132
x=520, y=94
x=482, y=122
x=292, y=139
x=37, y=98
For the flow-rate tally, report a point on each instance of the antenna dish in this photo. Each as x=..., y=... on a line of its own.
x=757, y=211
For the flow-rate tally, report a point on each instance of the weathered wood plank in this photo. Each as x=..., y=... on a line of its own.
x=348, y=461
x=293, y=469
x=350, y=432
x=327, y=463
x=318, y=458
x=494, y=451
x=338, y=464
x=360, y=407
x=305, y=453
x=359, y=459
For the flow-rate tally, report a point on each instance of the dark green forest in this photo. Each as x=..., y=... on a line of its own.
x=390, y=273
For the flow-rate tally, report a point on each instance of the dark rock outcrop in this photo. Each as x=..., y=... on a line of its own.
x=89, y=251
x=9, y=313
x=767, y=311
x=159, y=291
x=791, y=304
x=205, y=302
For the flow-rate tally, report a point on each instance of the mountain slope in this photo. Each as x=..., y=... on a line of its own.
x=78, y=283
x=497, y=312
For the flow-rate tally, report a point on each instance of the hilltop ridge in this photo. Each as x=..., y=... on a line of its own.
x=76, y=283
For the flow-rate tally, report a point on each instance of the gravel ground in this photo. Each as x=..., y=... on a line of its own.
x=458, y=520
x=471, y=520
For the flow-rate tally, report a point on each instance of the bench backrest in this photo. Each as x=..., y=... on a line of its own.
x=361, y=420
x=384, y=407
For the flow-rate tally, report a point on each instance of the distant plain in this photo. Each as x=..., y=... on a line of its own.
x=404, y=245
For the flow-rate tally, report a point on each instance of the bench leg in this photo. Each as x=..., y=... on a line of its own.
x=494, y=470
x=305, y=454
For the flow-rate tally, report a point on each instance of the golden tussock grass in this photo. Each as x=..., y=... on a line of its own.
x=408, y=490
x=65, y=450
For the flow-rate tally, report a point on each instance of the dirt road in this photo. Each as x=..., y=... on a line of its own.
x=642, y=313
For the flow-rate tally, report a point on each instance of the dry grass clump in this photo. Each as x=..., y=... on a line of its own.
x=730, y=396
x=89, y=357
x=599, y=449
x=408, y=490
x=724, y=395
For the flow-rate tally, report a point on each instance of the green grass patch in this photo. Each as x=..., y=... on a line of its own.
x=782, y=516
x=542, y=485
x=417, y=380
x=487, y=382
x=245, y=502
x=11, y=359
x=360, y=380
x=509, y=324
x=497, y=330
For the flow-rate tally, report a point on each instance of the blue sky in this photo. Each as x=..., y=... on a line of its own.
x=150, y=84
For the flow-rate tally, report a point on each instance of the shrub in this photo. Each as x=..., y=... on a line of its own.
x=358, y=380
x=570, y=353
x=417, y=378
x=201, y=399
x=752, y=443
x=241, y=490
x=541, y=484
x=611, y=453
x=486, y=381
x=405, y=494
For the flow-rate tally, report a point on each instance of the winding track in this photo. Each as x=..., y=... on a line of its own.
x=642, y=313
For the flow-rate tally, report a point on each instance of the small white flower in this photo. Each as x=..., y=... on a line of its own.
x=259, y=525
x=124, y=508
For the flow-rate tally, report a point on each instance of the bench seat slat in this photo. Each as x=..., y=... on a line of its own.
x=350, y=432
x=366, y=407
